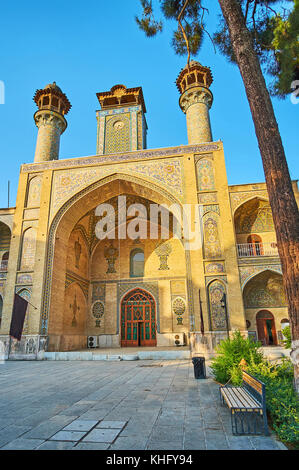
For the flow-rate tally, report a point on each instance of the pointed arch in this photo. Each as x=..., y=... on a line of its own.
x=217, y=314
x=74, y=209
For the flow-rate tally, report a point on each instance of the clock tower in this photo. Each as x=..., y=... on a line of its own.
x=121, y=123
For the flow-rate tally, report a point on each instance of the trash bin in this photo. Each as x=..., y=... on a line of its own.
x=199, y=367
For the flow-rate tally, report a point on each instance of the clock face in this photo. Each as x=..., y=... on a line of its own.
x=118, y=125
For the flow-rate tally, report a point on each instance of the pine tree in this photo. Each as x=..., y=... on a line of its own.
x=250, y=34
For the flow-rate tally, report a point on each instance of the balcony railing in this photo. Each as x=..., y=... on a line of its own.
x=3, y=266
x=257, y=249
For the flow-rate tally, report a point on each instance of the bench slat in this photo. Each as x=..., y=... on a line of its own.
x=248, y=399
x=231, y=399
x=238, y=398
x=254, y=383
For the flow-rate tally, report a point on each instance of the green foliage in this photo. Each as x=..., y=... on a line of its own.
x=230, y=352
x=191, y=20
x=281, y=398
x=274, y=30
x=288, y=341
x=194, y=34
x=147, y=23
x=273, y=25
x=285, y=48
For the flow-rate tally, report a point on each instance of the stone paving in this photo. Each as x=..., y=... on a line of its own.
x=132, y=405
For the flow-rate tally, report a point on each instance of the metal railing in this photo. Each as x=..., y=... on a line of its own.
x=257, y=249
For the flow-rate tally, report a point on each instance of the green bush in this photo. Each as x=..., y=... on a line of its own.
x=288, y=341
x=281, y=398
x=229, y=354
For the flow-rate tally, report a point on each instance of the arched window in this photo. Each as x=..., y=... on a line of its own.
x=137, y=263
x=255, y=245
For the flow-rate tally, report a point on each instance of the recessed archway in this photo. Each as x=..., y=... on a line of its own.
x=63, y=226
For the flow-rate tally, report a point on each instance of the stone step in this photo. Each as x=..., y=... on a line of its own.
x=95, y=356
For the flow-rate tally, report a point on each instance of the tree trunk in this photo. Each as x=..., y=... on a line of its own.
x=279, y=186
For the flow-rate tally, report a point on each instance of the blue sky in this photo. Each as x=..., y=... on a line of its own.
x=88, y=47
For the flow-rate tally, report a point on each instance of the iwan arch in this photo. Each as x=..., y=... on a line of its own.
x=137, y=292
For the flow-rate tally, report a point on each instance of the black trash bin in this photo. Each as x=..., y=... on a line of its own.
x=199, y=367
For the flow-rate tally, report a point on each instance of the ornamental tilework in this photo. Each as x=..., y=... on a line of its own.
x=217, y=312
x=71, y=278
x=98, y=310
x=122, y=157
x=24, y=278
x=163, y=251
x=205, y=174
x=210, y=208
x=265, y=290
x=34, y=191
x=214, y=268
x=212, y=246
x=254, y=216
x=5, y=235
x=98, y=291
x=247, y=272
x=28, y=249
x=67, y=183
x=117, y=134
x=207, y=198
x=243, y=196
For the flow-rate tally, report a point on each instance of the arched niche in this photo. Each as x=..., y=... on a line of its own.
x=217, y=311
x=264, y=290
x=253, y=217
x=27, y=259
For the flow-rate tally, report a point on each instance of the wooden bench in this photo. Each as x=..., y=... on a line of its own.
x=247, y=404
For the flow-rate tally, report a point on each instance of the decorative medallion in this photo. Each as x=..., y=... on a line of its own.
x=179, y=306
x=98, y=310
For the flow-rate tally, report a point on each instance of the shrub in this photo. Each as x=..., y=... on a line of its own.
x=281, y=398
x=229, y=354
x=287, y=334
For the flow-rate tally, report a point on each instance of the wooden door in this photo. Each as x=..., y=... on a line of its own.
x=138, y=319
x=266, y=328
x=255, y=245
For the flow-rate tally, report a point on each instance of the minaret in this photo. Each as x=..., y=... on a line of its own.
x=52, y=106
x=196, y=99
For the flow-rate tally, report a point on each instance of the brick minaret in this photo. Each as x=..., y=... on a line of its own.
x=52, y=106
x=196, y=99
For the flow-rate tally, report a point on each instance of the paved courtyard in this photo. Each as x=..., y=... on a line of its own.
x=127, y=405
